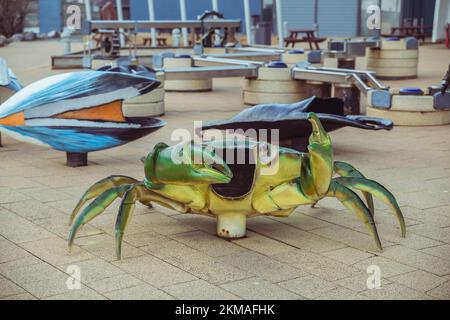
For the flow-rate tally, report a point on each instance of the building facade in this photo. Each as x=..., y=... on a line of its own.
x=331, y=17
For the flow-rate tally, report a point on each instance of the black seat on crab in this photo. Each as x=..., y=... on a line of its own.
x=242, y=164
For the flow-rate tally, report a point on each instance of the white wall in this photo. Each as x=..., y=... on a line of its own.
x=441, y=18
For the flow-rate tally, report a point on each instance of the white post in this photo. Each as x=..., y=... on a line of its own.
x=88, y=8
x=248, y=30
x=184, y=18
x=215, y=5
x=120, y=18
x=280, y=23
x=151, y=14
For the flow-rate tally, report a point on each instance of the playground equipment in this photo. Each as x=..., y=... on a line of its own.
x=78, y=112
x=257, y=184
x=147, y=105
x=291, y=121
x=394, y=59
x=274, y=84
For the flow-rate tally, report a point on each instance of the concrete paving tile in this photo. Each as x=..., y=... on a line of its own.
x=168, y=248
x=304, y=240
x=262, y=244
x=117, y=282
x=205, y=224
x=419, y=280
x=341, y=293
x=358, y=283
x=9, y=288
x=439, y=251
x=55, y=251
x=44, y=194
x=162, y=224
x=302, y=221
x=388, y=268
x=8, y=195
x=19, y=230
x=22, y=296
x=433, y=216
x=31, y=273
x=144, y=238
x=47, y=288
x=433, y=232
x=262, y=266
x=352, y=238
x=317, y=265
x=412, y=240
x=211, y=245
x=207, y=268
x=103, y=246
x=199, y=290
x=259, y=289
x=94, y=270
x=141, y=292
x=264, y=225
x=418, y=260
x=10, y=251
x=154, y=271
x=15, y=182
x=441, y=292
x=84, y=293
x=347, y=255
x=309, y=287
x=34, y=210
x=394, y=291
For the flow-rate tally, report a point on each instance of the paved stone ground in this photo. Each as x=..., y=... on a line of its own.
x=320, y=253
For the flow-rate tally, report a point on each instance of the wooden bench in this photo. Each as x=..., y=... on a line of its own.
x=412, y=31
x=309, y=37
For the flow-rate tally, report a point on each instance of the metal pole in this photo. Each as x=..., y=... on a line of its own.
x=88, y=8
x=215, y=5
x=184, y=18
x=280, y=23
x=151, y=14
x=247, y=21
x=120, y=18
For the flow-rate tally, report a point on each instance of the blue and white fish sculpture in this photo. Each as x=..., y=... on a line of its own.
x=78, y=112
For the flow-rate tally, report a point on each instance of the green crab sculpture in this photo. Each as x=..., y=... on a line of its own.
x=232, y=192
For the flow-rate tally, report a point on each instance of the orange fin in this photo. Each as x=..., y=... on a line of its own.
x=106, y=112
x=16, y=119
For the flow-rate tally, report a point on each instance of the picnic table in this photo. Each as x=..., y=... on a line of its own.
x=410, y=31
x=309, y=36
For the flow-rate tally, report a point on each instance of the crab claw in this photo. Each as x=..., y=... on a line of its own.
x=186, y=164
x=319, y=135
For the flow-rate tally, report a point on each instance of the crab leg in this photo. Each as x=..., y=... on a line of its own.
x=351, y=200
x=126, y=210
x=95, y=208
x=379, y=192
x=347, y=170
x=98, y=188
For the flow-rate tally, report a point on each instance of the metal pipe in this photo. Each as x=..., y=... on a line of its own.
x=199, y=73
x=120, y=18
x=88, y=9
x=212, y=61
x=215, y=5
x=279, y=6
x=184, y=18
x=151, y=15
x=247, y=13
x=210, y=23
